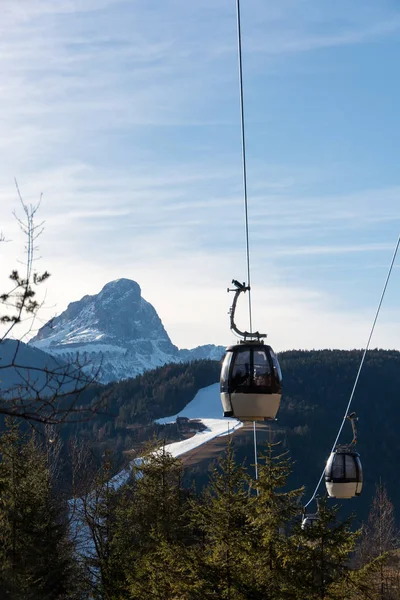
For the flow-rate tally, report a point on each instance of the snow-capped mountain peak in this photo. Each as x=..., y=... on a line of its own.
x=118, y=329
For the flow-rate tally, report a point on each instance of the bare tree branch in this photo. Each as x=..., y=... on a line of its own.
x=50, y=394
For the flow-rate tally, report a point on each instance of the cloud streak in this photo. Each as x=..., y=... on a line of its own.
x=126, y=118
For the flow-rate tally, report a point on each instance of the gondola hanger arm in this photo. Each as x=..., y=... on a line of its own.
x=353, y=418
x=239, y=289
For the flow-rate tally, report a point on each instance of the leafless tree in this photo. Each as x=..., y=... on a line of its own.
x=380, y=537
x=40, y=395
x=90, y=509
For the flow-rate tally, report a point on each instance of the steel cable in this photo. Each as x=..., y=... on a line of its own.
x=242, y=125
x=360, y=367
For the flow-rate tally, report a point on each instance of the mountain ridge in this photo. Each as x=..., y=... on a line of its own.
x=118, y=331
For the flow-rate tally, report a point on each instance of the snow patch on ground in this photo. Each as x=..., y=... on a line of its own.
x=205, y=406
x=215, y=428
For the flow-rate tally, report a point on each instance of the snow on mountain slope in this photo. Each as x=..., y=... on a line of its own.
x=206, y=406
x=215, y=428
x=118, y=330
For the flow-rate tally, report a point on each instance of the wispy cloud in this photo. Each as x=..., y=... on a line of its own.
x=320, y=250
x=298, y=41
x=125, y=115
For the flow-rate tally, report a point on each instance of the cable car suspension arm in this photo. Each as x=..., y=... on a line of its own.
x=353, y=418
x=239, y=288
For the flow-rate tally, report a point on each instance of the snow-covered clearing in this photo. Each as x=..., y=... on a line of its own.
x=205, y=406
x=215, y=428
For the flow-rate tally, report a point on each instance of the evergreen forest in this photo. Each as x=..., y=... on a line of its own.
x=316, y=388
x=69, y=530
x=238, y=539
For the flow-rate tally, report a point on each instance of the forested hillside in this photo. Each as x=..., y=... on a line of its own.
x=317, y=386
x=239, y=539
x=134, y=404
x=158, y=535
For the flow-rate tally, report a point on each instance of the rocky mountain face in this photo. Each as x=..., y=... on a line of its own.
x=116, y=330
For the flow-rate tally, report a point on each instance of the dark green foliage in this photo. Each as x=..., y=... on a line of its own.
x=274, y=510
x=219, y=562
x=21, y=297
x=139, y=532
x=152, y=539
x=35, y=553
x=155, y=523
x=94, y=522
x=134, y=404
x=317, y=387
x=228, y=542
x=321, y=557
x=161, y=392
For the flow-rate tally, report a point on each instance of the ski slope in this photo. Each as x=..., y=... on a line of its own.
x=205, y=406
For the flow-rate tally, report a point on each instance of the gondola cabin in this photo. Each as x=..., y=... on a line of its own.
x=251, y=382
x=343, y=473
x=309, y=520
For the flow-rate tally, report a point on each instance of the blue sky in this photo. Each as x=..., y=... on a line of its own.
x=125, y=114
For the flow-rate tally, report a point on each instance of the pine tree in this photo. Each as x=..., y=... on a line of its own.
x=149, y=539
x=35, y=553
x=219, y=565
x=320, y=565
x=272, y=512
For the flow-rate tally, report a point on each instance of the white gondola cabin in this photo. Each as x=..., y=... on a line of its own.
x=251, y=382
x=343, y=473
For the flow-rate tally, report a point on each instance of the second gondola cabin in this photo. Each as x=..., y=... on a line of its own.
x=343, y=473
x=309, y=520
x=251, y=382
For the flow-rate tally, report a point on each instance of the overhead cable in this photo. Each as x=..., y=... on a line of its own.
x=361, y=365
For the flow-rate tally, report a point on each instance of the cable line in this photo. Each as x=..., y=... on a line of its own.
x=239, y=40
x=360, y=367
